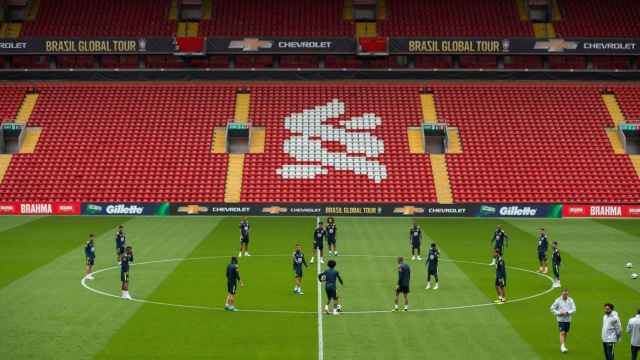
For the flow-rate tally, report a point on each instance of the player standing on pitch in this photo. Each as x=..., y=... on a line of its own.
x=332, y=231
x=404, y=280
x=499, y=241
x=415, y=238
x=244, y=237
x=556, y=260
x=432, y=266
x=121, y=242
x=330, y=277
x=298, y=261
x=543, y=246
x=318, y=243
x=233, y=278
x=125, y=259
x=90, y=254
x=501, y=279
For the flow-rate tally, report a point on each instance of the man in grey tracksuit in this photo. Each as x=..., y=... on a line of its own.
x=633, y=328
x=611, y=331
x=562, y=308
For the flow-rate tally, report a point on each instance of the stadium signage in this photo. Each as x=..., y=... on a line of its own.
x=40, y=208
x=448, y=46
x=601, y=211
x=519, y=210
x=88, y=46
x=280, y=45
x=128, y=209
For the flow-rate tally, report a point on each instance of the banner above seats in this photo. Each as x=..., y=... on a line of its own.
x=514, y=46
x=281, y=45
x=346, y=46
x=78, y=46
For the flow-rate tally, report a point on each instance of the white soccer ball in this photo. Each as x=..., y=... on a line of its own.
x=629, y=265
x=634, y=276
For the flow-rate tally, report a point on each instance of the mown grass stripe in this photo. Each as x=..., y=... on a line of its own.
x=48, y=314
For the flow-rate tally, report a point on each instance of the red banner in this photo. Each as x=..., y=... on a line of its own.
x=40, y=208
x=603, y=211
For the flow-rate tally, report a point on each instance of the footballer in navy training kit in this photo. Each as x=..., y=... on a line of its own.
x=556, y=261
x=90, y=254
x=499, y=241
x=318, y=242
x=330, y=277
x=543, y=246
x=432, y=266
x=404, y=281
x=244, y=237
x=233, y=280
x=125, y=260
x=332, y=231
x=121, y=243
x=298, y=261
x=501, y=279
x=415, y=238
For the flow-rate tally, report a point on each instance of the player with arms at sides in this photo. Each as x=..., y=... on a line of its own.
x=233, y=279
x=125, y=259
x=332, y=231
x=244, y=237
x=499, y=241
x=432, y=266
x=90, y=254
x=543, y=246
x=415, y=238
x=404, y=280
x=556, y=260
x=318, y=242
x=298, y=261
x=330, y=277
x=121, y=243
x=501, y=279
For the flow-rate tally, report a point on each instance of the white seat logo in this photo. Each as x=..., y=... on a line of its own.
x=313, y=159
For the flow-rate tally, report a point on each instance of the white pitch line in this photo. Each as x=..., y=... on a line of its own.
x=320, y=336
x=84, y=280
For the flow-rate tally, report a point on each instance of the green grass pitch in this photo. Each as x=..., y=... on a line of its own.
x=45, y=312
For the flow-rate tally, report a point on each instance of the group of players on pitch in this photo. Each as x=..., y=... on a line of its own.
x=124, y=257
x=330, y=277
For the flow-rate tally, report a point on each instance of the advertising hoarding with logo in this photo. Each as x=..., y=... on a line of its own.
x=40, y=208
x=125, y=209
x=155, y=45
x=520, y=210
x=281, y=45
x=600, y=211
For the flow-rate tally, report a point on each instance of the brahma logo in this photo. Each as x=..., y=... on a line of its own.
x=67, y=209
x=274, y=210
x=634, y=211
x=36, y=209
x=576, y=210
x=606, y=211
x=408, y=210
x=122, y=209
x=193, y=209
x=518, y=211
x=8, y=209
x=313, y=158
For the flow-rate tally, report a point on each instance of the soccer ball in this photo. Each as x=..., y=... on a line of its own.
x=629, y=265
x=634, y=276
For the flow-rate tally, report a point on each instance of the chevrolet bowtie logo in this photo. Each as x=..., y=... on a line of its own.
x=275, y=210
x=250, y=44
x=556, y=45
x=192, y=209
x=408, y=210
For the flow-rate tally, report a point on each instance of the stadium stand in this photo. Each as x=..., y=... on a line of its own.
x=121, y=142
x=397, y=105
x=277, y=18
x=595, y=18
x=101, y=18
x=534, y=142
x=453, y=18
x=526, y=142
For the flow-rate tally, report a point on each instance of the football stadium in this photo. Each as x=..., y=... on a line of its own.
x=319, y=179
